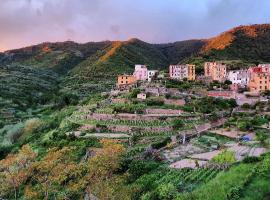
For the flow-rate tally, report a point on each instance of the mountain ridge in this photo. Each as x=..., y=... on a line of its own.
x=86, y=68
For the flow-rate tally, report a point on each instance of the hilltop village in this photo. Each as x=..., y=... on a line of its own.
x=114, y=120
x=251, y=82
x=184, y=119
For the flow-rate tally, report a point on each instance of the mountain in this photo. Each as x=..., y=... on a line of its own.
x=250, y=43
x=40, y=73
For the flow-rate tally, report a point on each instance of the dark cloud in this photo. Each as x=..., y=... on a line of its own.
x=26, y=22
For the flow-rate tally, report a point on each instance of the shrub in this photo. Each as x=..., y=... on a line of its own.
x=166, y=191
x=162, y=143
x=251, y=159
x=138, y=168
x=225, y=157
x=177, y=124
x=154, y=102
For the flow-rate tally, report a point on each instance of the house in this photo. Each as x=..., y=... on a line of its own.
x=141, y=96
x=191, y=72
x=215, y=70
x=151, y=74
x=126, y=80
x=259, y=81
x=156, y=91
x=221, y=94
x=180, y=72
x=140, y=72
x=238, y=77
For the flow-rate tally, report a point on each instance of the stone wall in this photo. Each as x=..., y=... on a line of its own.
x=176, y=102
x=163, y=111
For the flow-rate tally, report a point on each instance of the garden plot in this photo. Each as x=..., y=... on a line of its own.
x=188, y=163
x=232, y=133
x=181, y=152
x=243, y=151
x=106, y=135
x=206, y=156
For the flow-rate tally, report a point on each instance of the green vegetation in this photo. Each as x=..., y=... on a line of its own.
x=49, y=91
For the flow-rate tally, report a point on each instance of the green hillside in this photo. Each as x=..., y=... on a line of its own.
x=47, y=69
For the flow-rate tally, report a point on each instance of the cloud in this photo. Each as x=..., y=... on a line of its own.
x=26, y=22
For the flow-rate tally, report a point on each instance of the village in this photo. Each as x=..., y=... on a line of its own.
x=188, y=121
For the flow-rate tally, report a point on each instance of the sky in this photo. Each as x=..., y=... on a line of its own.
x=28, y=22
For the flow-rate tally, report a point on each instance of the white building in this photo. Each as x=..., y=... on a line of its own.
x=151, y=74
x=141, y=96
x=140, y=72
x=239, y=77
x=178, y=72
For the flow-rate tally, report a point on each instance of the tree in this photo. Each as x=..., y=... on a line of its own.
x=15, y=169
x=56, y=172
x=101, y=168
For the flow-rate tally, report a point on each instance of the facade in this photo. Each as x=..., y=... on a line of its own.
x=151, y=74
x=265, y=67
x=125, y=80
x=238, y=77
x=259, y=81
x=180, y=72
x=215, y=70
x=191, y=72
x=140, y=72
x=141, y=96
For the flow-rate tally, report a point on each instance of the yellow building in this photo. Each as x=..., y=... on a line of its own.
x=259, y=82
x=191, y=72
x=125, y=80
x=215, y=70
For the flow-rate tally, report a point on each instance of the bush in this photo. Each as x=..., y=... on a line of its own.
x=177, y=124
x=154, y=102
x=166, y=191
x=225, y=157
x=162, y=143
x=138, y=168
x=251, y=159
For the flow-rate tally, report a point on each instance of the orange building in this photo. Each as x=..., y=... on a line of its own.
x=125, y=80
x=259, y=81
x=191, y=72
x=215, y=70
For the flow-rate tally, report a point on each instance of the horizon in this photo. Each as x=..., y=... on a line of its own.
x=29, y=22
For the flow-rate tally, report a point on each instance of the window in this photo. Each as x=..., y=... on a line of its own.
x=122, y=81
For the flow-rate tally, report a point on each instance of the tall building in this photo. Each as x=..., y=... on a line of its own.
x=191, y=72
x=180, y=72
x=215, y=70
x=140, y=72
x=259, y=78
x=259, y=81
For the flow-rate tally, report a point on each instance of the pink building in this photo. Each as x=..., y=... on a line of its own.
x=140, y=72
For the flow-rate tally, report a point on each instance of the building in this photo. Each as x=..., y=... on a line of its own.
x=238, y=77
x=265, y=67
x=259, y=81
x=141, y=96
x=180, y=72
x=215, y=70
x=151, y=74
x=126, y=80
x=191, y=72
x=140, y=72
